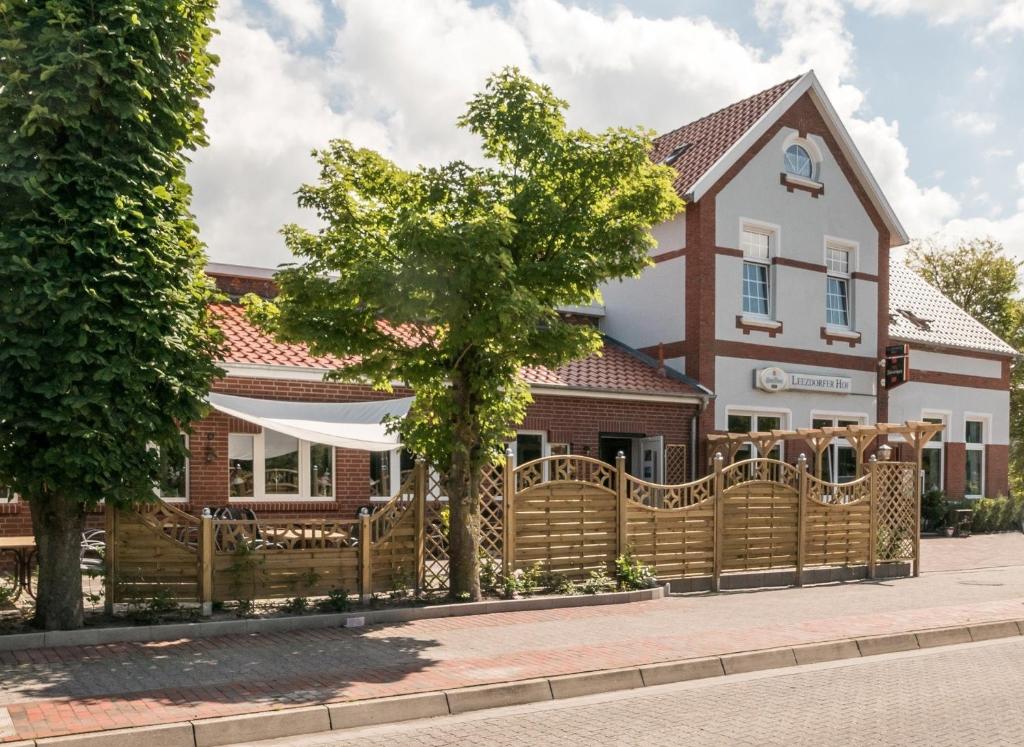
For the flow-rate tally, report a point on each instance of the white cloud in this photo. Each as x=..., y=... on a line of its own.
x=399, y=73
x=306, y=17
x=974, y=123
x=998, y=153
x=937, y=11
x=1008, y=21
x=980, y=73
x=1020, y=174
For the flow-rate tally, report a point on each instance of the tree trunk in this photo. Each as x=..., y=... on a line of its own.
x=464, y=499
x=58, y=523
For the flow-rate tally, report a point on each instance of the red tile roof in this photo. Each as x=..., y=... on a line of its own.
x=617, y=369
x=710, y=137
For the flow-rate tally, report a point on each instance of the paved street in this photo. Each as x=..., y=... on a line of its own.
x=962, y=695
x=49, y=692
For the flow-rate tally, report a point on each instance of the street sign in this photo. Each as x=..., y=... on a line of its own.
x=897, y=365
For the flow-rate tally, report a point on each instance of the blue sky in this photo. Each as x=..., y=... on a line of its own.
x=932, y=91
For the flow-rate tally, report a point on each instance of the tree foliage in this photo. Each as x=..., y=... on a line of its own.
x=977, y=275
x=448, y=278
x=105, y=345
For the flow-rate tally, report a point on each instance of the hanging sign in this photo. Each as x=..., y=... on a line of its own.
x=897, y=365
x=774, y=379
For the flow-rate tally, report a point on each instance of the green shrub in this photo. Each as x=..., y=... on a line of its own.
x=934, y=509
x=336, y=601
x=489, y=572
x=598, y=582
x=564, y=586
x=996, y=514
x=631, y=574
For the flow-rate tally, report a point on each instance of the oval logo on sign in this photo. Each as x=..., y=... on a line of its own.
x=772, y=379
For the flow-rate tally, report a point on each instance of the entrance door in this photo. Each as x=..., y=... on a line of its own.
x=610, y=445
x=651, y=467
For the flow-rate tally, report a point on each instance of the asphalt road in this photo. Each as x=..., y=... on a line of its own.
x=972, y=694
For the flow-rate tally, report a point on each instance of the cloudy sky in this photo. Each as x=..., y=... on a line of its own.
x=932, y=91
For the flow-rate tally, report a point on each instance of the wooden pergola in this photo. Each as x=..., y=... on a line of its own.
x=860, y=437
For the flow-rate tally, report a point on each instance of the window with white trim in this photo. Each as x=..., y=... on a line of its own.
x=757, y=253
x=275, y=465
x=839, y=460
x=974, y=465
x=388, y=472
x=932, y=459
x=837, y=287
x=797, y=161
x=748, y=422
x=172, y=484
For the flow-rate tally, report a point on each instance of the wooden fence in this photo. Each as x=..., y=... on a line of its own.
x=570, y=514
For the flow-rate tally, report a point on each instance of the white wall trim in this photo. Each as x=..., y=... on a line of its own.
x=680, y=399
x=265, y=371
x=754, y=225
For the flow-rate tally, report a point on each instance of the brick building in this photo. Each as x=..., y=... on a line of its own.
x=771, y=303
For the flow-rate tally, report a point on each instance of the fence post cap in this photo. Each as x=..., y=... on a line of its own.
x=509, y=453
x=872, y=459
x=620, y=455
x=718, y=457
x=802, y=459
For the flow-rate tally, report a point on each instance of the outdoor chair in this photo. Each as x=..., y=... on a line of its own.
x=257, y=541
x=93, y=549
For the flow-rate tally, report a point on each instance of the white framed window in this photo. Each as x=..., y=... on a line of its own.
x=275, y=466
x=530, y=445
x=838, y=262
x=388, y=472
x=839, y=460
x=172, y=484
x=758, y=248
x=975, y=435
x=797, y=161
x=747, y=421
x=933, y=456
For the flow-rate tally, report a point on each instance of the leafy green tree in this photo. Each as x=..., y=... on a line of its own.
x=105, y=346
x=978, y=277
x=448, y=278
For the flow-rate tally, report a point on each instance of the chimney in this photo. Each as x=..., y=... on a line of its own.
x=661, y=359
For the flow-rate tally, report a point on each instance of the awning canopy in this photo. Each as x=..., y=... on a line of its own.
x=349, y=425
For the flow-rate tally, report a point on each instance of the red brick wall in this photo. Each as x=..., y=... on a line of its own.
x=574, y=420
x=997, y=470
x=955, y=466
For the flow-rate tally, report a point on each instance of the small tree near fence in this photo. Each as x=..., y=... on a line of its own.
x=449, y=278
x=105, y=349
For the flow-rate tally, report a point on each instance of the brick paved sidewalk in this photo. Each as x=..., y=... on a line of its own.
x=60, y=691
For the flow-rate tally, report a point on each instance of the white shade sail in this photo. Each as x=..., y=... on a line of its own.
x=348, y=425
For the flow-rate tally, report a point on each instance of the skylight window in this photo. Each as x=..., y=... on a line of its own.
x=675, y=153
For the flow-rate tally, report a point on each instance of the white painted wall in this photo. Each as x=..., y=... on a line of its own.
x=924, y=360
x=914, y=400
x=804, y=222
x=652, y=308
x=734, y=378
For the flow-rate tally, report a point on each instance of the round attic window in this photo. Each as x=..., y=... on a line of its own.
x=798, y=162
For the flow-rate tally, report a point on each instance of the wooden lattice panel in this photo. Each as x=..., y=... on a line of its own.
x=565, y=468
x=435, y=536
x=491, y=511
x=842, y=493
x=677, y=466
x=676, y=542
x=669, y=496
x=759, y=526
x=897, y=522
x=567, y=527
x=761, y=471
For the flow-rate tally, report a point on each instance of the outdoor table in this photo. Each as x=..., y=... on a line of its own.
x=24, y=550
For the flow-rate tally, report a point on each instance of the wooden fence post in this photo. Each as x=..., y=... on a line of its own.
x=801, y=518
x=206, y=565
x=621, y=483
x=110, y=558
x=872, y=516
x=365, y=557
x=716, y=563
x=917, y=515
x=508, y=498
x=420, y=496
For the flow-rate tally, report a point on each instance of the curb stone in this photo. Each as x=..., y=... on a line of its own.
x=177, y=631
x=338, y=716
